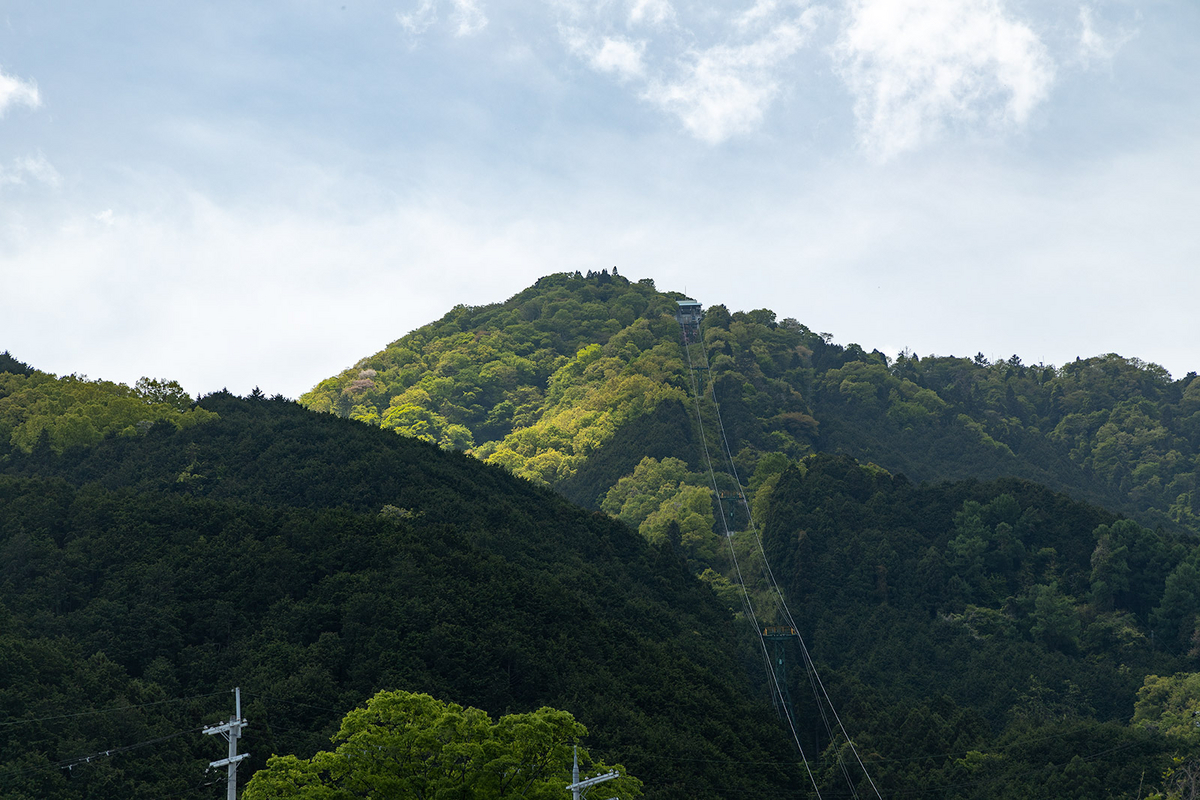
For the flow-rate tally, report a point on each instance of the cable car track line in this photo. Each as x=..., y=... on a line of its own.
x=817, y=685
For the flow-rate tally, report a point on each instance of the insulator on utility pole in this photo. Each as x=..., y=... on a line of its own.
x=231, y=730
x=577, y=786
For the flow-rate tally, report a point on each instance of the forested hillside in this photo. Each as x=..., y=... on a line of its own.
x=38, y=409
x=314, y=561
x=990, y=639
x=575, y=380
x=995, y=565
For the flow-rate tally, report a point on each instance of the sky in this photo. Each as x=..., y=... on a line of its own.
x=236, y=194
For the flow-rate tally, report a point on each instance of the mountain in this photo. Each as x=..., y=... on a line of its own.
x=573, y=381
x=40, y=410
x=994, y=565
x=313, y=561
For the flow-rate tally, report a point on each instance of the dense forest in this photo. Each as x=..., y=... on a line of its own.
x=573, y=381
x=313, y=561
x=991, y=639
x=994, y=566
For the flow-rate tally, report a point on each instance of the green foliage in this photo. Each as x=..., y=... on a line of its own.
x=411, y=745
x=1029, y=616
x=75, y=412
x=1175, y=619
x=1109, y=429
x=10, y=364
x=1055, y=623
x=490, y=371
x=566, y=384
x=313, y=561
x=587, y=401
x=1170, y=705
x=659, y=493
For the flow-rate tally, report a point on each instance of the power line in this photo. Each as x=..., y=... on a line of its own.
x=112, y=751
x=107, y=710
x=75, y=761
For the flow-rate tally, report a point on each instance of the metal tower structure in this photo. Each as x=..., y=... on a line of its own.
x=778, y=636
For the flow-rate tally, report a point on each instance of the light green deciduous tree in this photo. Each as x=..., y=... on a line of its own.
x=406, y=745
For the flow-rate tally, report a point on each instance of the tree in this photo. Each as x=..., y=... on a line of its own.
x=1169, y=705
x=1055, y=623
x=158, y=390
x=1110, y=570
x=406, y=745
x=1174, y=619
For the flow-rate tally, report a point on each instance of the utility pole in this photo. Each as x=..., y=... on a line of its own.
x=231, y=730
x=577, y=786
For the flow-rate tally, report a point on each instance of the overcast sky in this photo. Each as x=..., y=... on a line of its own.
x=235, y=194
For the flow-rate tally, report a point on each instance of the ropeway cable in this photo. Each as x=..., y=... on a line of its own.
x=782, y=604
x=810, y=667
x=746, y=602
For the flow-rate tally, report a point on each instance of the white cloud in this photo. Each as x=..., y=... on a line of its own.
x=725, y=90
x=466, y=16
x=611, y=54
x=650, y=12
x=716, y=71
x=14, y=91
x=120, y=296
x=36, y=167
x=919, y=66
x=420, y=19
x=763, y=11
x=1094, y=45
x=621, y=56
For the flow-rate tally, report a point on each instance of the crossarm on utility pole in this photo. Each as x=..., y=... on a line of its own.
x=608, y=776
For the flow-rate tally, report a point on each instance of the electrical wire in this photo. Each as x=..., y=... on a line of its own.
x=108, y=710
x=78, y=760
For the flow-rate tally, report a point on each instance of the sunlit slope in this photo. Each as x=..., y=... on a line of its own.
x=572, y=382
x=39, y=409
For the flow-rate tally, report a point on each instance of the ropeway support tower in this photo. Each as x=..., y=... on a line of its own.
x=779, y=636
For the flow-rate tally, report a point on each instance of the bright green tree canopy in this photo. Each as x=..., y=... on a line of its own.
x=405, y=745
